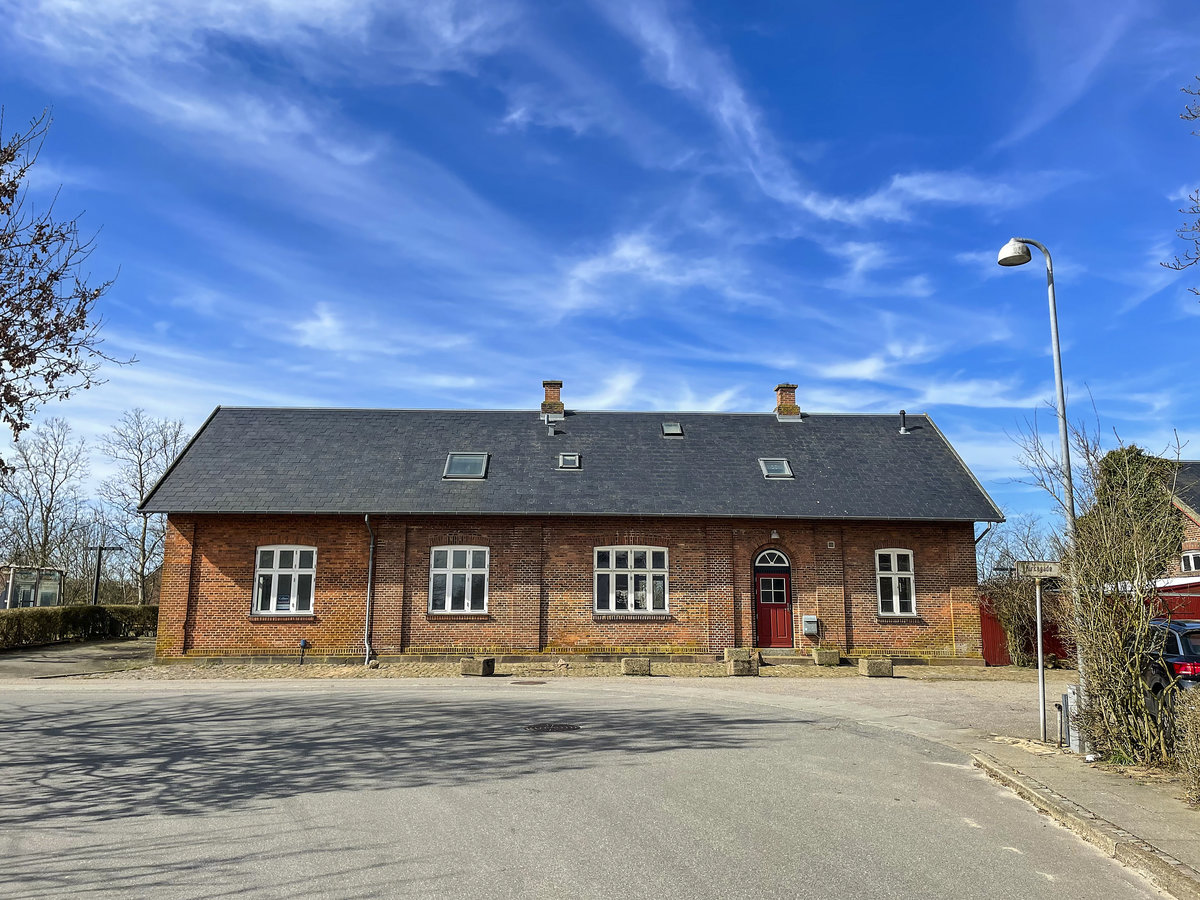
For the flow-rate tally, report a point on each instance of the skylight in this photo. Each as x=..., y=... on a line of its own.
x=466, y=465
x=672, y=429
x=569, y=461
x=775, y=468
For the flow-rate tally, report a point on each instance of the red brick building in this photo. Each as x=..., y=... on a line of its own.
x=433, y=532
x=1180, y=589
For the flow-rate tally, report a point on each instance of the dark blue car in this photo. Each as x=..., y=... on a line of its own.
x=1180, y=658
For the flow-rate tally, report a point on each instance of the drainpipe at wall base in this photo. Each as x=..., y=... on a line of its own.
x=370, y=592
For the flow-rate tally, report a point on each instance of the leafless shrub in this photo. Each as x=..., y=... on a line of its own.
x=1127, y=534
x=1187, y=742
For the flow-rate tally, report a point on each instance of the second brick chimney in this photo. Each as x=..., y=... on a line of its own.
x=785, y=400
x=553, y=403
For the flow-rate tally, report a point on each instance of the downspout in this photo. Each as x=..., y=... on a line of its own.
x=370, y=592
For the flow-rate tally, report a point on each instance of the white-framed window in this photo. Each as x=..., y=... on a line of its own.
x=630, y=580
x=283, y=580
x=894, y=580
x=771, y=558
x=775, y=468
x=458, y=579
x=466, y=465
x=570, y=461
x=1191, y=562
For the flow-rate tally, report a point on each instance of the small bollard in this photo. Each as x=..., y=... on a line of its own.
x=875, y=667
x=304, y=645
x=483, y=667
x=635, y=665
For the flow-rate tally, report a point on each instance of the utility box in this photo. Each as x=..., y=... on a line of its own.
x=812, y=626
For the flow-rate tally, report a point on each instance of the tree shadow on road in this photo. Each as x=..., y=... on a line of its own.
x=184, y=754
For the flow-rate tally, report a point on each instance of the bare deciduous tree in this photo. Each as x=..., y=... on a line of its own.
x=1189, y=231
x=1128, y=534
x=142, y=447
x=1009, y=598
x=43, y=504
x=50, y=343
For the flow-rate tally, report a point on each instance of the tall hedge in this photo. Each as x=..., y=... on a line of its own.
x=36, y=625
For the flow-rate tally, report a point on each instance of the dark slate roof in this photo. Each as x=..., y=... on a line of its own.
x=1187, y=484
x=391, y=461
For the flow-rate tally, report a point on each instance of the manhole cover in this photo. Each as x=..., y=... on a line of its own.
x=542, y=727
x=527, y=682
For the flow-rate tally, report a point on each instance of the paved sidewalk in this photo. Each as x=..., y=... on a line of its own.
x=83, y=658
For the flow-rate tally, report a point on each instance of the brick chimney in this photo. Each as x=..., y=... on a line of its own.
x=553, y=403
x=785, y=400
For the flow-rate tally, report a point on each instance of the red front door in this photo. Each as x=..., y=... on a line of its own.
x=773, y=602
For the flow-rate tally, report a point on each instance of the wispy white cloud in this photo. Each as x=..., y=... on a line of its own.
x=1071, y=40
x=616, y=391
x=863, y=259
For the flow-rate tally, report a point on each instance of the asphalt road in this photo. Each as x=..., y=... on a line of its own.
x=436, y=789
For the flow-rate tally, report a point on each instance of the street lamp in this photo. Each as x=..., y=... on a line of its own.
x=1016, y=253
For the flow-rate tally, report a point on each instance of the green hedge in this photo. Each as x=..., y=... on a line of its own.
x=36, y=625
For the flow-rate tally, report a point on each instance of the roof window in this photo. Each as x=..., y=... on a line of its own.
x=466, y=465
x=775, y=468
x=672, y=429
x=569, y=461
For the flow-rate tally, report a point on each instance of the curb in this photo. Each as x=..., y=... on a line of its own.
x=1163, y=870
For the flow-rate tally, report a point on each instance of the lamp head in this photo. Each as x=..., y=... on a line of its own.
x=1014, y=253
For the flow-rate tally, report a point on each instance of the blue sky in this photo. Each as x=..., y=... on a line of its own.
x=665, y=204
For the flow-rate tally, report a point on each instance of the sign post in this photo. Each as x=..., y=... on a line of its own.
x=1038, y=571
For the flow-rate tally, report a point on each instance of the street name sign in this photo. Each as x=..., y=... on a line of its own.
x=1039, y=569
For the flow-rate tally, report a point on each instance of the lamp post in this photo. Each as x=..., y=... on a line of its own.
x=1016, y=253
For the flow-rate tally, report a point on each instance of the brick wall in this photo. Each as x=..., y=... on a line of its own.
x=1191, y=542
x=540, y=586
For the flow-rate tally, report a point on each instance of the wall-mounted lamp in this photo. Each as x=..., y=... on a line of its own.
x=774, y=535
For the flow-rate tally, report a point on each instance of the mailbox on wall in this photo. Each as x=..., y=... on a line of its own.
x=812, y=627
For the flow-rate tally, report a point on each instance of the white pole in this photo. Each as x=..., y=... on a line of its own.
x=1041, y=661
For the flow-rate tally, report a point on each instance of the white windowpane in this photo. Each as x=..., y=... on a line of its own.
x=885, y=562
x=639, y=592
x=602, y=559
x=266, y=559
x=264, y=592
x=622, y=592
x=437, y=592
x=903, y=563
x=622, y=559
x=303, y=593
x=458, y=559
x=659, y=559
x=886, y=603
x=639, y=559
x=478, y=590
x=283, y=591
x=306, y=559
x=478, y=559
x=602, y=590
x=458, y=591
x=285, y=558
x=660, y=592
x=905, y=588
x=439, y=559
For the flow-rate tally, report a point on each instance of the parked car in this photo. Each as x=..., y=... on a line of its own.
x=1179, y=661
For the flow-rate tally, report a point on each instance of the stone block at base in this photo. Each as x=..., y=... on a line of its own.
x=740, y=667
x=483, y=666
x=827, y=657
x=732, y=653
x=875, y=667
x=635, y=665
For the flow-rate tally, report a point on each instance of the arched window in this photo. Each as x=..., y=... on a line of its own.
x=771, y=558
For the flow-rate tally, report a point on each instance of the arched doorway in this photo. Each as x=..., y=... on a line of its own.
x=773, y=599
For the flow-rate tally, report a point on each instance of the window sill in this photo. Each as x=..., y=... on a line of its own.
x=898, y=618
x=631, y=617
x=282, y=617
x=457, y=614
